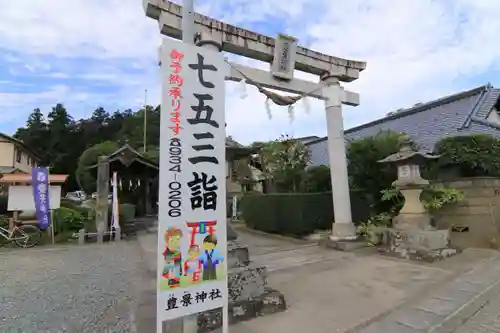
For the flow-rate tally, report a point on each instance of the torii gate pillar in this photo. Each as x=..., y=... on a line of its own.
x=343, y=228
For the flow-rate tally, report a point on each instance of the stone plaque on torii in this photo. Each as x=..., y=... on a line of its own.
x=331, y=71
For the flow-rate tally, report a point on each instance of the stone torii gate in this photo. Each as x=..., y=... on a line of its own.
x=331, y=70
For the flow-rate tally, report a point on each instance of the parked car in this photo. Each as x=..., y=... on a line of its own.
x=94, y=196
x=78, y=196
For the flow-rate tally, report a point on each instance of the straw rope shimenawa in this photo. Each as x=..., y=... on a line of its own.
x=276, y=98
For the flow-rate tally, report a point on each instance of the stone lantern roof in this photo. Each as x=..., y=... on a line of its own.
x=407, y=154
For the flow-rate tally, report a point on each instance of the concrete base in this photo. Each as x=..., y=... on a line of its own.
x=343, y=232
x=343, y=245
x=424, y=245
x=271, y=301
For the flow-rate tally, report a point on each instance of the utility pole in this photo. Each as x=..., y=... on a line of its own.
x=145, y=121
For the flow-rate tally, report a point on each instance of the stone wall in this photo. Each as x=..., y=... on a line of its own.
x=475, y=222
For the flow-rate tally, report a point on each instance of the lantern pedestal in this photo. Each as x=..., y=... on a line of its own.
x=412, y=236
x=414, y=244
x=413, y=215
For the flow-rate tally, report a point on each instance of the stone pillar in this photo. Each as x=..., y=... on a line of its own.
x=102, y=198
x=342, y=228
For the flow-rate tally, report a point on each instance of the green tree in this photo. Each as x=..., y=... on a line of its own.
x=60, y=140
x=317, y=179
x=152, y=153
x=365, y=173
x=59, y=128
x=85, y=177
x=286, y=160
x=132, y=128
x=35, y=134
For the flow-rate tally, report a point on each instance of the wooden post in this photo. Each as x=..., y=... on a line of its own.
x=102, y=198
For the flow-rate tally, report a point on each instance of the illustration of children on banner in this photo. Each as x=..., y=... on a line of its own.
x=210, y=258
x=192, y=266
x=194, y=260
x=173, y=257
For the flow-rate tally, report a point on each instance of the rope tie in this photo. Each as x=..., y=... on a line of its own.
x=276, y=98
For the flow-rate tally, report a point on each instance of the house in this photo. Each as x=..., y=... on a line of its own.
x=241, y=171
x=470, y=112
x=15, y=156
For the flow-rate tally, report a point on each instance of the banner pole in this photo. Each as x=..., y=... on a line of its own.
x=51, y=219
x=52, y=234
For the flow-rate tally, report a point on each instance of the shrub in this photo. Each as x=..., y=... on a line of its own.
x=296, y=214
x=126, y=213
x=317, y=179
x=3, y=204
x=87, y=212
x=472, y=156
x=67, y=220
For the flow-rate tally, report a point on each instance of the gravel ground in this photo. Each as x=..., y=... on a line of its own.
x=71, y=289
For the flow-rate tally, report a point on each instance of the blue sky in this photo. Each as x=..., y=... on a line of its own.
x=92, y=53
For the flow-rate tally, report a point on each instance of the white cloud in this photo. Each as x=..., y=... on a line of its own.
x=95, y=28
x=14, y=102
x=415, y=51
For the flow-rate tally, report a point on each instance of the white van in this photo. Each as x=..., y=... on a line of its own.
x=78, y=196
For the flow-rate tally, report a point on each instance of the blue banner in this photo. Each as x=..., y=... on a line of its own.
x=40, y=182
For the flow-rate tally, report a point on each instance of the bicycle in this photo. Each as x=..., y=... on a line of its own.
x=23, y=235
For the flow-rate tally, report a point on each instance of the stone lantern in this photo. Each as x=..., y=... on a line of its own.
x=410, y=183
x=412, y=235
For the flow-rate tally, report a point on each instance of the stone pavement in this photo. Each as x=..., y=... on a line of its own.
x=329, y=291
x=444, y=309
x=486, y=320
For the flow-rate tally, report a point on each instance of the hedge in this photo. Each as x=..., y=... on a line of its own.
x=297, y=214
x=3, y=204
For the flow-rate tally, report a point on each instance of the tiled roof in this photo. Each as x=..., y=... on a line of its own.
x=307, y=139
x=7, y=169
x=459, y=114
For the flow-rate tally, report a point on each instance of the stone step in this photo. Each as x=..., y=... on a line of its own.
x=271, y=301
x=246, y=282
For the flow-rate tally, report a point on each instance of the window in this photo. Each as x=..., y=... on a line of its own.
x=18, y=155
x=28, y=160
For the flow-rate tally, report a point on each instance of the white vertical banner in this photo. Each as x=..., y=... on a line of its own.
x=192, y=251
x=115, y=217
